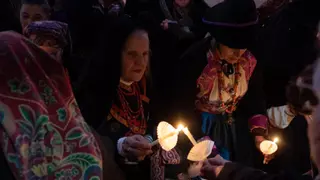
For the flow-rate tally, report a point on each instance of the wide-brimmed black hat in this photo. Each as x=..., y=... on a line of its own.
x=233, y=23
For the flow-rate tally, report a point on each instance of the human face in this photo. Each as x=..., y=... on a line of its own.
x=30, y=13
x=229, y=54
x=47, y=44
x=182, y=3
x=135, y=56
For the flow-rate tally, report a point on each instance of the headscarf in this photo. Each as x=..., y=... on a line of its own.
x=49, y=29
x=95, y=99
x=52, y=36
x=43, y=134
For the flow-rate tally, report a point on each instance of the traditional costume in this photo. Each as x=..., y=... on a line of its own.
x=123, y=110
x=43, y=134
x=289, y=28
x=217, y=85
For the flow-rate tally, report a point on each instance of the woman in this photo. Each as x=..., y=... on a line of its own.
x=227, y=66
x=289, y=124
x=120, y=110
x=43, y=134
x=34, y=10
x=218, y=168
x=51, y=36
x=289, y=28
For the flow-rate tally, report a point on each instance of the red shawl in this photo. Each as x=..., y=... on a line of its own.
x=42, y=134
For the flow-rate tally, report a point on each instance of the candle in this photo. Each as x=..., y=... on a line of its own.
x=168, y=135
x=268, y=147
x=189, y=135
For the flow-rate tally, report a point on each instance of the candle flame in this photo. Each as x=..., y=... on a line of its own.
x=180, y=127
x=276, y=140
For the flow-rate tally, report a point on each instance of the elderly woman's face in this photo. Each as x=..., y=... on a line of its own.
x=182, y=3
x=135, y=56
x=30, y=13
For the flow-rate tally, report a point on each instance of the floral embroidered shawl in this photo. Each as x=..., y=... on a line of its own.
x=42, y=132
x=206, y=82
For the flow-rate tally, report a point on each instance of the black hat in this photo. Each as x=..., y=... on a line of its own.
x=233, y=23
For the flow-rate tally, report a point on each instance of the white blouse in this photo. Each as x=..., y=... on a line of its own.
x=280, y=117
x=229, y=83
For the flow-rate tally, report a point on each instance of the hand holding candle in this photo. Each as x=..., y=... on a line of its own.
x=167, y=135
x=200, y=151
x=268, y=147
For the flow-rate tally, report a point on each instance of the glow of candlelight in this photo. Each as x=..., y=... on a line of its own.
x=276, y=140
x=189, y=135
x=180, y=127
x=268, y=148
x=175, y=132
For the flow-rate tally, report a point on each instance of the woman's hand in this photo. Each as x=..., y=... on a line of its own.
x=165, y=24
x=258, y=141
x=212, y=167
x=136, y=147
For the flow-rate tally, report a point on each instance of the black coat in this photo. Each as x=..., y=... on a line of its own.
x=232, y=171
x=8, y=19
x=285, y=46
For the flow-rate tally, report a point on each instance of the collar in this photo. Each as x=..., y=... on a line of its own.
x=125, y=82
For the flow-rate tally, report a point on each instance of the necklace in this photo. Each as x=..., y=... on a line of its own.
x=134, y=118
x=230, y=107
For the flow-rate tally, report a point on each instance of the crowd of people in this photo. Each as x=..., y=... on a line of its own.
x=84, y=84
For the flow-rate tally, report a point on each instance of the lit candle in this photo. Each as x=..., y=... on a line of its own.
x=168, y=135
x=189, y=135
x=269, y=147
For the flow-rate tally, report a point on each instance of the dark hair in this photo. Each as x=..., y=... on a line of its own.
x=43, y=3
x=301, y=98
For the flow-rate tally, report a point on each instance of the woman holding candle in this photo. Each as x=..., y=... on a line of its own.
x=218, y=70
x=290, y=122
x=219, y=168
x=127, y=122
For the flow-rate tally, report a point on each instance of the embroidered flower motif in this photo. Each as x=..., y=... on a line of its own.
x=67, y=173
x=18, y=86
x=40, y=170
x=24, y=150
x=47, y=96
x=62, y=114
x=37, y=149
x=1, y=116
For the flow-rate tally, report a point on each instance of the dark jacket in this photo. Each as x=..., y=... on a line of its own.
x=8, y=19
x=233, y=171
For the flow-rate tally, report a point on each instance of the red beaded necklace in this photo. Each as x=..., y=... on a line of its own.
x=132, y=117
x=230, y=107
